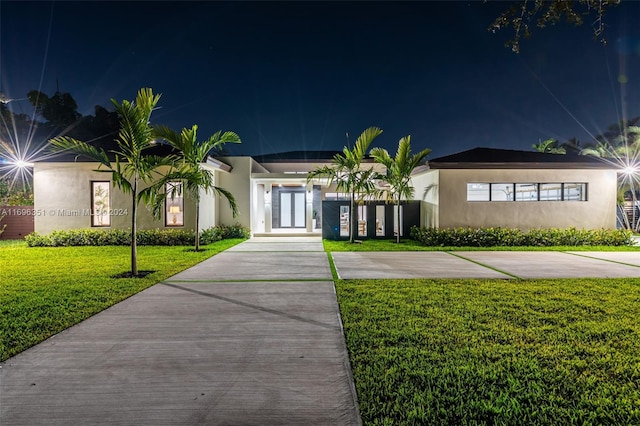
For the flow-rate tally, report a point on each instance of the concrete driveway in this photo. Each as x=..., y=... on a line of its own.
x=487, y=264
x=251, y=336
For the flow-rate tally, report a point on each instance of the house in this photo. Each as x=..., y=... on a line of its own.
x=479, y=187
x=486, y=187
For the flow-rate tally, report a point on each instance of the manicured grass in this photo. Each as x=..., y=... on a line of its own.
x=494, y=352
x=12, y=243
x=46, y=290
x=412, y=245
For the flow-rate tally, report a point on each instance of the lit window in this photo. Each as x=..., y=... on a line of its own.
x=380, y=221
x=344, y=221
x=550, y=192
x=574, y=192
x=174, y=205
x=100, y=203
x=362, y=221
x=478, y=192
x=502, y=192
x=526, y=192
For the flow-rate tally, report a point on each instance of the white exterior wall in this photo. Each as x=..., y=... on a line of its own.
x=597, y=212
x=62, y=198
x=426, y=187
x=238, y=182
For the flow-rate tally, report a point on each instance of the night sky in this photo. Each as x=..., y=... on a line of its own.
x=300, y=75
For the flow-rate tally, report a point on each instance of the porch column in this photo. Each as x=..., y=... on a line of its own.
x=309, y=207
x=267, y=207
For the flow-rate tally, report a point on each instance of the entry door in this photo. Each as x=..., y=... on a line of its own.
x=292, y=211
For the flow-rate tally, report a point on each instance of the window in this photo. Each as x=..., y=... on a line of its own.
x=174, y=205
x=344, y=221
x=526, y=191
x=100, y=203
x=502, y=192
x=574, y=192
x=362, y=221
x=550, y=192
x=380, y=221
x=478, y=192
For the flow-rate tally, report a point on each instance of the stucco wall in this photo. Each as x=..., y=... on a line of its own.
x=238, y=182
x=427, y=192
x=62, y=197
x=597, y=212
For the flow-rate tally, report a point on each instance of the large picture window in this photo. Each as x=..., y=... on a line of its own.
x=174, y=205
x=483, y=191
x=100, y=203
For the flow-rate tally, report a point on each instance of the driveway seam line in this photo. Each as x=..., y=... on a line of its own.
x=484, y=265
x=599, y=258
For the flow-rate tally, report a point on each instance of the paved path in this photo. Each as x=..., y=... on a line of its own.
x=251, y=336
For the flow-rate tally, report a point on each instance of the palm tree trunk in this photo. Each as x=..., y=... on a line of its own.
x=197, y=199
x=134, y=230
x=352, y=217
x=399, y=221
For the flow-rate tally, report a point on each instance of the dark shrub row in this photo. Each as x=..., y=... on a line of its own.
x=146, y=237
x=508, y=237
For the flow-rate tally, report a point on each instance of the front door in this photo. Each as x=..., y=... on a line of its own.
x=292, y=209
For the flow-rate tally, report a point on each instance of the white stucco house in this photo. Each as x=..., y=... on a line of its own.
x=476, y=188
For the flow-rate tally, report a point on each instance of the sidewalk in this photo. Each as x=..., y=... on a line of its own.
x=250, y=336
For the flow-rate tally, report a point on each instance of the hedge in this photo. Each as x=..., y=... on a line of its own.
x=145, y=237
x=509, y=237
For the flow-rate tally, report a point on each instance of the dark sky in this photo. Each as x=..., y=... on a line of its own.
x=300, y=75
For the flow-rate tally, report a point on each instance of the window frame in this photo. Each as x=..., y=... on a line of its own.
x=177, y=217
x=100, y=220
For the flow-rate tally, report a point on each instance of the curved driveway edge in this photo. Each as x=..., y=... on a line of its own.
x=245, y=337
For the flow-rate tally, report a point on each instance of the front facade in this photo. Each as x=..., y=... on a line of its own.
x=476, y=188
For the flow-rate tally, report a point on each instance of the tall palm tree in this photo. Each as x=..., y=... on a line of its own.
x=131, y=166
x=192, y=154
x=347, y=173
x=399, y=169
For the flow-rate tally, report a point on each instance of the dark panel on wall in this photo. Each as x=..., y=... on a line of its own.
x=19, y=221
x=331, y=219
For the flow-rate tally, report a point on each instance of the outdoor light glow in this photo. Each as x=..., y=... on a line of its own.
x=22, y=164
x=630, y=170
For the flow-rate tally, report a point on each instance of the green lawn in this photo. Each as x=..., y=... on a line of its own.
x=46, y=290
x=494, y=352
x=411, y=245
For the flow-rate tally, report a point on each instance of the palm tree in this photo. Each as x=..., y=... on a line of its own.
x=131, y=167
x=192, y=154
x=620, y=146
x=399, y=169
x=549, y=146
x=348, y=175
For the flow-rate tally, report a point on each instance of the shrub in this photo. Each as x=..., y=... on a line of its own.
x=145, y=237
x=508, y=237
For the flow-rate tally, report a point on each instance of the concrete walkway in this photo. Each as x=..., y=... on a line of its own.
x=251, y=336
